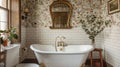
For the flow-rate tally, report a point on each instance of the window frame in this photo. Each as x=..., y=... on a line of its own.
x=7, y=9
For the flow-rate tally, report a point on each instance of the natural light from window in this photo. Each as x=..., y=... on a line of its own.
x=3, y=3
x=3, y=15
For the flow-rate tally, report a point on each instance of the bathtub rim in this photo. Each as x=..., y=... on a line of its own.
x=59, y=52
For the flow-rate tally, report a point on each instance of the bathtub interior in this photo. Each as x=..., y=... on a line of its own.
x=67, y=49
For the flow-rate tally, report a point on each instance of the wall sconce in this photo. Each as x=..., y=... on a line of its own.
x=25, y=11
x=25, y=18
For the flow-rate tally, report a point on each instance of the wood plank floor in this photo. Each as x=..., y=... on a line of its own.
x=96, y=64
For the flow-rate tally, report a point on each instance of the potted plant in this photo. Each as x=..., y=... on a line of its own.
x=2, y=36
x=7, y=36
x=12, y=34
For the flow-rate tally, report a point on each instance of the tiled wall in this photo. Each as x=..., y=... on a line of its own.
x=23, y=35
x=112, y=46
x=41, y=33
x=23, y=42
x=112, y=37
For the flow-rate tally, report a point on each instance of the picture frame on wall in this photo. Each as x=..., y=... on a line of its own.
x=113, y=6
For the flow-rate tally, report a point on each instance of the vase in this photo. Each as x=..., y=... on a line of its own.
x=6, y=43
x=93, y=42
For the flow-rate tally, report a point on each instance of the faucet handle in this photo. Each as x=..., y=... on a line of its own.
x=61, y=43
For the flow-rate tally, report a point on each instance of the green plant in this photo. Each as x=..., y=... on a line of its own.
x=11, y=34
x=93, y=25
x=1, y=38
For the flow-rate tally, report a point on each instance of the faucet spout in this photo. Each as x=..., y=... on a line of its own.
x=56, y=43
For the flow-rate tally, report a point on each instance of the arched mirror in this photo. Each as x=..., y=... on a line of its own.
x=61, y=11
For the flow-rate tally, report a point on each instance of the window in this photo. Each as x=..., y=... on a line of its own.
x=3, y=3
x=10, y=15
x=4, y=14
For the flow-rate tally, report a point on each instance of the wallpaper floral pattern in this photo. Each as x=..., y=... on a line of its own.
x=115, y=18
x=39, y=14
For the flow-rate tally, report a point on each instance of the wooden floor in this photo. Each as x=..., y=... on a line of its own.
x=96, y=64
x=30, y=61
x=35, y=61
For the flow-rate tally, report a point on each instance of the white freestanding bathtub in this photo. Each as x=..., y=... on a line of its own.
x=72, y=56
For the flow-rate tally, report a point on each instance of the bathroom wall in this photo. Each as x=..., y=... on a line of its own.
x=23, y=34
x=36, y=28
x=15, y=17
x=112, y=37
x=39, y=20
x=23, y=42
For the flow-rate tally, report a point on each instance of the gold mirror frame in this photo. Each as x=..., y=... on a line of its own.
x=63, y=17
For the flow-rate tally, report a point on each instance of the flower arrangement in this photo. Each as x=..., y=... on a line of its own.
x=93, y=25
x=7, y=35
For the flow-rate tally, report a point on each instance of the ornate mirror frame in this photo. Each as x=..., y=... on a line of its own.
x=62, y=17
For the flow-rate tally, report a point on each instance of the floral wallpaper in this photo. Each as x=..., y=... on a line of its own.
x=39, y=14
x=115, y=18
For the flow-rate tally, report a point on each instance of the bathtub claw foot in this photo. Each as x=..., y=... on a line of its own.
x=83, y=65
x=42, y=65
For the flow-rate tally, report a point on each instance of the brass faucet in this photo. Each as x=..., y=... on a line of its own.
x=56, y=43
x=59, y=44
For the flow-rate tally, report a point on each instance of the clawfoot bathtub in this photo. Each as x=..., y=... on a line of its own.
x=71, y=56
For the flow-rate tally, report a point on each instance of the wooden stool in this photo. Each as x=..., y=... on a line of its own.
x=100, y=54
